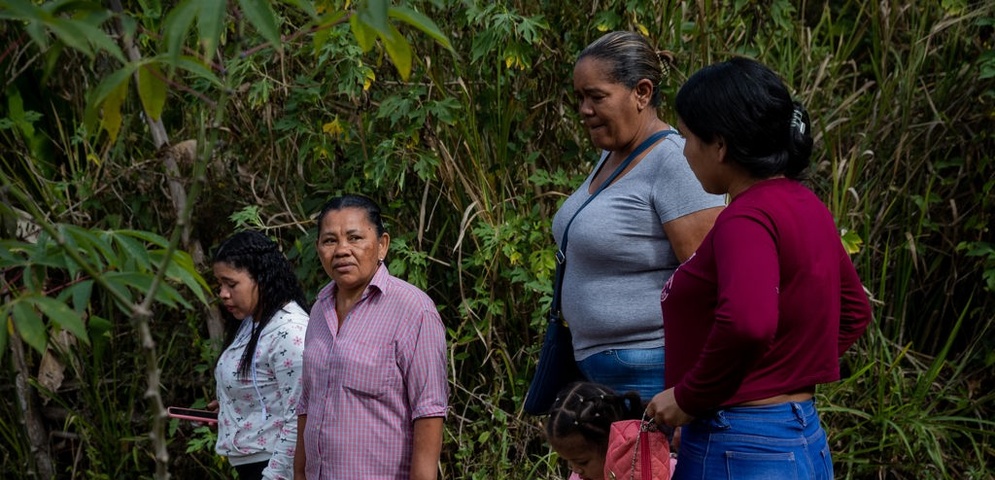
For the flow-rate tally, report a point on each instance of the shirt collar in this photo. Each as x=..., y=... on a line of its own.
x=379, y=283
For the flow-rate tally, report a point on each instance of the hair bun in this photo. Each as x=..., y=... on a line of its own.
x=667, y=60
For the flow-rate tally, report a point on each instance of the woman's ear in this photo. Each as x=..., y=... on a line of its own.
x=644, y=93
x=384, y=243
x=720, y=145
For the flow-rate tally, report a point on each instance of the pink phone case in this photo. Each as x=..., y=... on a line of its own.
x=203, y=416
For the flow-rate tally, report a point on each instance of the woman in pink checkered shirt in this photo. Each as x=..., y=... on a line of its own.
x=375, y=384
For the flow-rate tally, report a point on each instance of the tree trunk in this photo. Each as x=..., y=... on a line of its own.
x=177, y=191
x=44, y=467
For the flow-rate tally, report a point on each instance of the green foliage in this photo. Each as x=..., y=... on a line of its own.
x=57, y=275
x=465, y=131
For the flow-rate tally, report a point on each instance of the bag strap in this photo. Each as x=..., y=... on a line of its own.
x=561, y=253
x=643, y=447
x=645, y=462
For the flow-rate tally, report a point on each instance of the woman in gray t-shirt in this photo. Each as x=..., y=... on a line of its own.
x=626, y=243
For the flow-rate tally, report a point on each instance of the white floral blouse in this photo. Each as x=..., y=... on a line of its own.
x=257, y=420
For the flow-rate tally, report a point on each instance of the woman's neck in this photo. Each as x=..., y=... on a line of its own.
x=648, y=128
x=743, y=184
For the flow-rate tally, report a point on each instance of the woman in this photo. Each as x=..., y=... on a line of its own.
x=259, y=371
x=625, y=243
x=770, y=301
x=375, y=383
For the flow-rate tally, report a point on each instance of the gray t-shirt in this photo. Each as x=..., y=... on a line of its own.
x=618, y=256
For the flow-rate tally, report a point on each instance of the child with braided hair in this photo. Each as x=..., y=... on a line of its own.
x=579, y=423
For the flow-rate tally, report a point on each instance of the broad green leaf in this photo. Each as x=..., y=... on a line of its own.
x=93, y=248
x=306, y=5
x=119, y=284
x=23, y=10
x=134, y=250
x=399, y=51
x=319, y=39
x=7, y=256
x=63, y=316
x=261, y=16
x=176, y=26
x=98, y=241
x=421, y=22
x=374, y=14
x=851, y=241
x=181, y=269
x=165, y=294
x=70, y=245
x=196, y=67
x=50, y=256
x=210, y=22
x=148, y=237
x=29, y=325
x=86, y=33
x=37, y=33
x=151, y=90
x=169, y=296
x=107, y=87
x=69, y=33
x=365, y=35
x=111, y=119
x=136, y=280
x=80, y=294
x=16, y=113
x=99, y=330
x=35, y=17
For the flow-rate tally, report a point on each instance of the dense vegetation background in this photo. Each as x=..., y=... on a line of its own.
x=137, y=134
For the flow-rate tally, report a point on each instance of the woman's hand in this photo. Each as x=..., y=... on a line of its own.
x=663, y=409
x=213, y=406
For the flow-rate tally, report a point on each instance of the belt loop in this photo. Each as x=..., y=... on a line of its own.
x=719, y=420
x=799, y=413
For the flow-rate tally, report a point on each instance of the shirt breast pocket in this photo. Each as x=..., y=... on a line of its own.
x=367, y=368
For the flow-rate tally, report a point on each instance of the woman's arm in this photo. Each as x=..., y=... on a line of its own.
x=686, y=233
x=285, y=353
x=427, y=447
x=299, y=456
x=855, y=309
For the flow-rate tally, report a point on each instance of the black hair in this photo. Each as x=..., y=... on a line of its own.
x=274, y=276
x=588, y=409
x=632, y=59
x=744, y=103
x=355, y=201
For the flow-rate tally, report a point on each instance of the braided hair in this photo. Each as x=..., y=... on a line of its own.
x=589, y=409
x=277, y=285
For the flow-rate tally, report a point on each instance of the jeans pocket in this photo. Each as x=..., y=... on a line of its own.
x=640, y=358
x=826, y=471
x=761, y=466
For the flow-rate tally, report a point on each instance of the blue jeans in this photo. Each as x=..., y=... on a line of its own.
x=781, y=441
x=625, y=370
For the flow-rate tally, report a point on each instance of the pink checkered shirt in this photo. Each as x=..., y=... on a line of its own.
x=365, y=384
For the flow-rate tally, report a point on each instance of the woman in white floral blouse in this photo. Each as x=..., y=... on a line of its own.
x=259, y=372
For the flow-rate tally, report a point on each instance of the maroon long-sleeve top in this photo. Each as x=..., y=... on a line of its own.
x=766, y=305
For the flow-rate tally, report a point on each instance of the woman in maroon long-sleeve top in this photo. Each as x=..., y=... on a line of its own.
x=762, y=311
